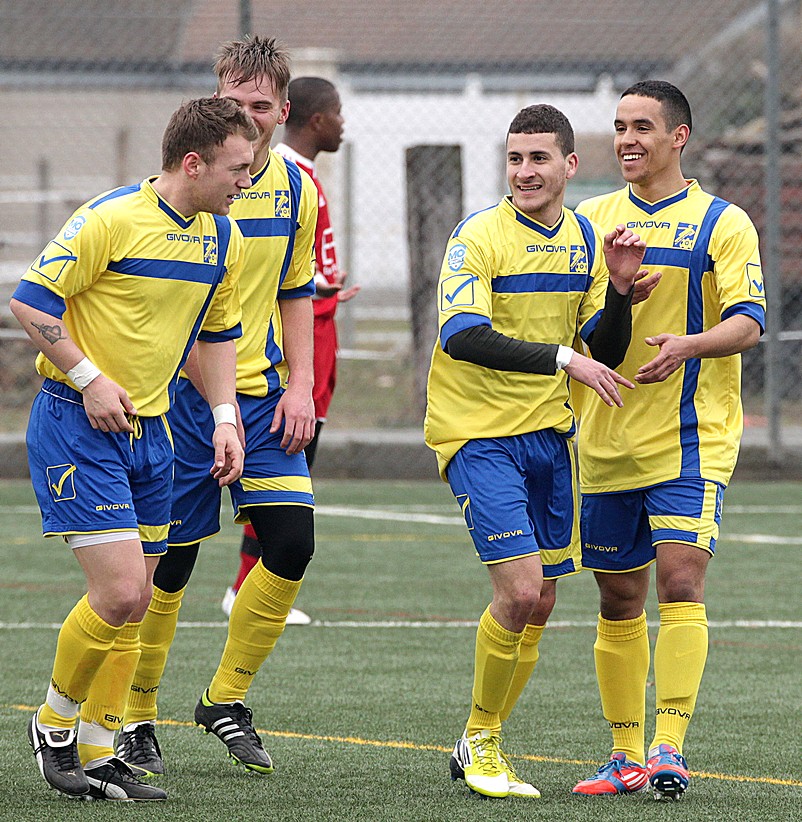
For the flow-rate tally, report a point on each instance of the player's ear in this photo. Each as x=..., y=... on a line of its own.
x=571, y=165
x=283, y=114
x=191, y=164
x=681, y=136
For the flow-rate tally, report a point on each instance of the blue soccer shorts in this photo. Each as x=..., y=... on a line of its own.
x=270, y=476
x=621, y=531
x=519, y=497
x=88, y=481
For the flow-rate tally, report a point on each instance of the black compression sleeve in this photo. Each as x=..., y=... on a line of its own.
x=610, y=339
x=481, y=345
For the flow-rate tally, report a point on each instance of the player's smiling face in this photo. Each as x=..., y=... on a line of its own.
x=644, y=146
x=220, y=181
x=264, y=104
x=537, y=173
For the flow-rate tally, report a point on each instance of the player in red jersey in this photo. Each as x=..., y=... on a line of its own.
x=315, y=124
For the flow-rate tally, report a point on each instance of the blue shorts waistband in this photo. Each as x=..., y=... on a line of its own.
x=61, y=389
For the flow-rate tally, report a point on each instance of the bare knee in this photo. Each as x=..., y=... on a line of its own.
x=514, y=606
x=120, y=601
x=623, y=596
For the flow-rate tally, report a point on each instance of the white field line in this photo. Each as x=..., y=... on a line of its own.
x=435, y=519
x=414, y=624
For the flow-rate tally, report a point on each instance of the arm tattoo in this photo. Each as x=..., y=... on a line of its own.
x=52, y=333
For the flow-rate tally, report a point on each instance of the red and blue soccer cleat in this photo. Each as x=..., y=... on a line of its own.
x=667, y=772
x=618, y=776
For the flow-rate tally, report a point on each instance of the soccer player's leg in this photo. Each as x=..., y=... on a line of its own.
x=275, y=493
x=685, y=545
x=486, y=478
x=194, y=515
x=617, y=546
x=82, y=488
x=150, y=478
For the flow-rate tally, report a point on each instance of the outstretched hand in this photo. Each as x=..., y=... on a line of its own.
x=674, y=351
x=603, y=380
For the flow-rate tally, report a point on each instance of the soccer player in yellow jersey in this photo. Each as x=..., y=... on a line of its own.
x=520, y=282
x=277, y=217
x=653, y=476
x=114, y=303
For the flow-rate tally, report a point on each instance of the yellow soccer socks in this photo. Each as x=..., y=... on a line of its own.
x=679, y=662
x=257, y=621
x=102, y=713
x=84, y=641
x=156, y=636
x=621, y=652
x=528, y=656
x=497, y=653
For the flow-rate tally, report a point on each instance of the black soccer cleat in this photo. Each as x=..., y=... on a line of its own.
x=232, y=724
x=139, y=749
x=56, y=753
x=116, y=781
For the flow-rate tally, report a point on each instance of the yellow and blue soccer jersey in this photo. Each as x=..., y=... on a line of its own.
x=527, y=281
x=135, y=283
x=690, y=424
x=277, y=217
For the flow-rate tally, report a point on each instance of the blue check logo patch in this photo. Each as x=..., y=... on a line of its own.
x=755, y=275
x=53, y=261
x=61, y=481
x=457, y=290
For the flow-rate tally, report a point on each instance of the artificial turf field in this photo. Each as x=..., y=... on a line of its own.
x=360, y=710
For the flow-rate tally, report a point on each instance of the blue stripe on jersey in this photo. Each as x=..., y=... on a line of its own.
x=589, y=236
x=265, y=227
x=549, y=233
x=223, y=225
x=590, y=326
x=653, y=208
x=294, y=176
x=699, y=263
x=457, y=230
x=459, y=322
x=676, y=257
x=258, y=176
x=753, y=310
x=274, y=355
x=112, y=195
x=301, y=291
x=167, y=270
x=221, y=336
x=174, y=215
x=37, y=296
x=542, y=282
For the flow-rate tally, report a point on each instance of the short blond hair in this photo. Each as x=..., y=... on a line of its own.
x=252, y=57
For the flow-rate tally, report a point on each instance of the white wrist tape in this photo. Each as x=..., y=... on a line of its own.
x=564, y=354
x=83, y=373
x=225, y=412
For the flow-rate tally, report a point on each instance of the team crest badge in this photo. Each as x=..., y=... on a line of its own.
x=456, y=256
x=209, y=249
x=579, y=260
x=685, y=236
x=282, y=203
x=73, y=227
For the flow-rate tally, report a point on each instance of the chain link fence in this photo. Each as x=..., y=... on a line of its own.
x=88, y=87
